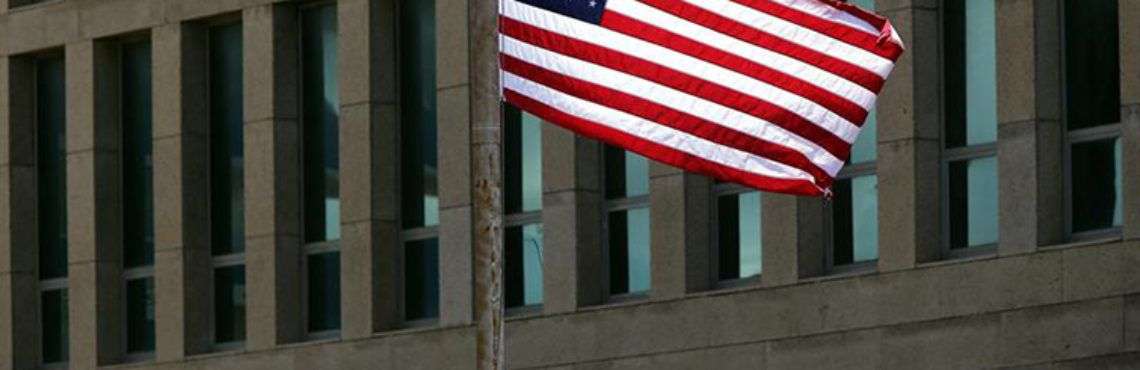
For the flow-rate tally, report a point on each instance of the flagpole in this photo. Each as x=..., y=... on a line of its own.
x=486, y=150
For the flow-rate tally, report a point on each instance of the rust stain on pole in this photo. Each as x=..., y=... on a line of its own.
x=486, y=170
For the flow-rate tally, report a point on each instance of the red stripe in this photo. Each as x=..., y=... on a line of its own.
x=836, y=30
x=656, y=151
x=839, y=105
x=665, y=116
x=747, y=33
x=680, y=81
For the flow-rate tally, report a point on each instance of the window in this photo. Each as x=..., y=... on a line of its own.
x=1092, y=116
x=52, y=205
x=320, y=120
x=626, y=178
x=418, y=174
x=227, y=210
x=970, y=127
x=19, y=3
x=138, y=194
x=522, y=253
x=738, y=251
x=853, y=213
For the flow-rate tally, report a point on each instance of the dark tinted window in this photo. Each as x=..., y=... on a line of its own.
x=227, y=211
x=421, y=276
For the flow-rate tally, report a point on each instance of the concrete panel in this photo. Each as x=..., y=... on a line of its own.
x=909, y=203
x=962, y=343
x=679, y=236
x=451, y=43
x=1130, y=119
x=367, y=51
x=456, y=284
x=371, y=278
x=831, y=351
x=1101, y=272
x=273, y=291
x=792, y=238
x=453, y=132
x=909, y=105
x=19, y=320
x=1031, y=204
x=1132, y=323
x=747, y=356
x=1129, y=52
x=1061, y=332
x=128, y=16
x=369, y=162
x=572, y=253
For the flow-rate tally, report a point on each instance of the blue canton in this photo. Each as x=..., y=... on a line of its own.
x=585, y=10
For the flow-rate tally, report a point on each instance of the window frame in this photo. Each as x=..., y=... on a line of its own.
x=948, y=156
x=232, y=259
x=849, y=172
x=621, y=204
x=513, y=115
x=56, y=283
x=1070, y=138
x=130, y=274
x=309, y=249
x=719, y=190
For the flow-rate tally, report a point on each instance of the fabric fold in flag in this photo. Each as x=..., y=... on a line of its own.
x=770, y=94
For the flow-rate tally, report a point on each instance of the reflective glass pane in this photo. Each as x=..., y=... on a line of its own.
x=227, y=209
x=1092, y=63
x=865, y=148
x=138, y=194
x=523, y=266
x=320, y=113
x=421, y=278
x=522, y=161
x=324, y=291
x=627, y=173
x=51, y=166
x=865, y=4
x=855, y=220
x=973, y=202
x=229, y=304
x=140, y=315
x=970, y=47
x=53, y=311
x=418, y=117
x=739, y=236
x=629, y=251
x=1096, y=191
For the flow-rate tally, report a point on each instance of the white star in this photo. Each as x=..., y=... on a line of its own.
x=593, y=3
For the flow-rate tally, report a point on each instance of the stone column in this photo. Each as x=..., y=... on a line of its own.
x=792, y=237
x=1030, y=127
x=94, y=205
x=272, y=176
x=1130, y=113
x=453, y=90
x=371, y=269
x=573, y=273
x=19, y=257
x=679, y=214
x=909, y=144
x=182, y=269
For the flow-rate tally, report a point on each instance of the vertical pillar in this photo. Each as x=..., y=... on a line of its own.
x=371, y=270
x=19, y=281
x=1030, y=128
x=1130, y=113
x=94, y=204
x=455, y=136
x=792, y=236
x=679, y=239
x=272, y=176
x=183, y=299
x=571, y=221
x=909, y=144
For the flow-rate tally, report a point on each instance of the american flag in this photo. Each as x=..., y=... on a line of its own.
x=767, y=93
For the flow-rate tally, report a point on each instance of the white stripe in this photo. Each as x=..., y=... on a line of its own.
x=829, y=13
x=797, y=34
x=807, y=109
x=633, y=125
x=794, y=67
x=664, y=95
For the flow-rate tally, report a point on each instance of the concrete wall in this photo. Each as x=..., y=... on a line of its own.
x=1038, y=301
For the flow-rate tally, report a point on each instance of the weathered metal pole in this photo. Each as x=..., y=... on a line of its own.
x=486, y=142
